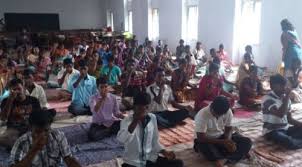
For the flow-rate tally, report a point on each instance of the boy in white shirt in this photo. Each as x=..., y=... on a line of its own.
x=139, y=133
x=214, y=137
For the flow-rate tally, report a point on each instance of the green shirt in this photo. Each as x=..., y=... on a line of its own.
x=114, y=74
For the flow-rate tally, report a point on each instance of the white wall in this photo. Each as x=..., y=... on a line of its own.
x=170, y=14
x=73, y=14
x=273, y=11
x=216, y=23
x=117, y=7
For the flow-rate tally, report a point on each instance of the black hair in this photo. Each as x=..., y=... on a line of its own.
x=253, y=69
x=156, y=59
x=221, y=46
x=27, y=72
x=111, y=59
x=159, y=70
x=248, y=46
x=213, y=67
x=216, y=60
x=182, y=61
x=286, y=25
x=277, y=80
x=15, y=82
x=67, y=61
x=41, y=118
x=101, y=81
x=142, y=98
x=82, y=50
x=83, y=63
x=11, y=63
x=220, y=105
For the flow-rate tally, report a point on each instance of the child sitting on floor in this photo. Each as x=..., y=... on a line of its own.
x=214, y=134
x=277, y=117
x=63, y=78
x=139, y=133
x=250, y=89
x=105, y=113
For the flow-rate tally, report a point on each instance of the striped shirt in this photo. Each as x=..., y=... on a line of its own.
x=270, y=103
x=51, y=155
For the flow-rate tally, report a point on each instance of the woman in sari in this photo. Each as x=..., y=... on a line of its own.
x=210, y=87
x=291, y=45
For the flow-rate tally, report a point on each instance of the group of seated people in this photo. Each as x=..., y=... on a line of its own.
x=91, y=75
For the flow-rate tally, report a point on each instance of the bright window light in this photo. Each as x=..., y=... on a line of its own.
x=154, y=27
x=192, y=23
x=130, y=22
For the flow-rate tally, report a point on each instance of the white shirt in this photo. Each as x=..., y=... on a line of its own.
x=206, y=123
x=167, y=97
x=67, y=77
x=39, y=93
x=199, y=53
x=142, y=144
x=270, y=121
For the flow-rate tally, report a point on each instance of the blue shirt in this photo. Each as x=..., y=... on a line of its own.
x=86, y=88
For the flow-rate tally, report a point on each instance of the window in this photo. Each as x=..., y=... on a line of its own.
x=130, y=22
x=246, y=27
x=110, y=20
x=192, y=23
x=249, y=21
x=154, y=28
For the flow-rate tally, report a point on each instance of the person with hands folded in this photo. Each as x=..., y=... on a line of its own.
x=15, y=110
x=161, y=96
x=277, y=117
x=82, y=86
x=139, y=133
x=214, y=135
x=42, y=146
x=106, y=114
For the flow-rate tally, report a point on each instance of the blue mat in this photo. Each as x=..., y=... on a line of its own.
x=87, y=153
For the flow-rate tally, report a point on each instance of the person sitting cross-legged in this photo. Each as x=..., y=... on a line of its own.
x=15, y=110
x=211, y=86
x=82, y=86
x=214, y=137
x=161, y=95
x=63, y=78
x=277, y=117
x=42, y=145
x=34, y=89
x=105, y=112
x=250, y=89
x=139, y=133
x=111, y=72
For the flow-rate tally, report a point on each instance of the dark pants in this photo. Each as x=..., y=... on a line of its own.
x=76, y=110
x=290, y=138
x=99, y=132
x=132, y=91
x=214, y=152
x=167, y=119
x=161, y=162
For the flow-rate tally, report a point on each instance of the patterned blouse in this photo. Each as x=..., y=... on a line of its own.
x=51, y=155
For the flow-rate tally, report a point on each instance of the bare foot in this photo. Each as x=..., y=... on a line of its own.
x=220, y=163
